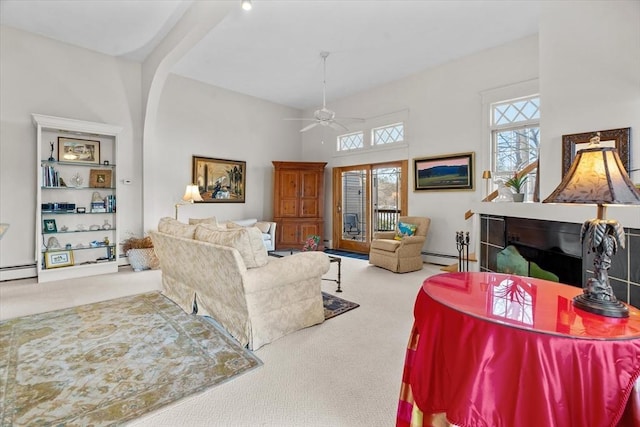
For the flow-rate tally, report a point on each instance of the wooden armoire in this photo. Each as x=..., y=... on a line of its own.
x=298, y=202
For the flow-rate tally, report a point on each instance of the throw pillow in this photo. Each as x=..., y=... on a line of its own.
x=231, y=225
x=176, y=228
x=404, y=229
x=246, y=240
x=263, y=226
x=196, y=221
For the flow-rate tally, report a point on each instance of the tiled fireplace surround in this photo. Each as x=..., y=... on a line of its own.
x=555, y=246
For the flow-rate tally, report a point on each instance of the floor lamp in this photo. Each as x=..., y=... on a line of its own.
x=597, y=177
x=486, y=175
x=191, y=194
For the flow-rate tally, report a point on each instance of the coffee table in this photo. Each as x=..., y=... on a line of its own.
x=279, y=253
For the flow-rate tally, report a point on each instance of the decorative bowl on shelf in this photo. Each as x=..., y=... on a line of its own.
x=76, y=180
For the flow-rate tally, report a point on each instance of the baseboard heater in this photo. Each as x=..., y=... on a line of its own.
x=438, y=258
x=16, y=272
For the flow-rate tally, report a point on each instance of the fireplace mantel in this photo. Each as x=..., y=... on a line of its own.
x=627, y=216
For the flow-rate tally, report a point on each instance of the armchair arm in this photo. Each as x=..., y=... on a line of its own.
x=411, y=244
x=384, y=234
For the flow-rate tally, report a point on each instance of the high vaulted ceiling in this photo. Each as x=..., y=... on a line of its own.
x=273, y=51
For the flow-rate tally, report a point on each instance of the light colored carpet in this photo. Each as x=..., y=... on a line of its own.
x=344, y=372
x=105, y=363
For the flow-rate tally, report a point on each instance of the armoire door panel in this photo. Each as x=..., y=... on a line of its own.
x=310, y=208
x=309, y=184
x=289, y=184
x=289, y=208
x=289, y=234
x=308, y=229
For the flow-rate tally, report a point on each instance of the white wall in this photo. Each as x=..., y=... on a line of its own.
x=589, y=77
x=442, y=110
x=38, y=75
x=198, y=119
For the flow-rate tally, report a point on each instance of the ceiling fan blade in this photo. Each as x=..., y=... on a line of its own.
x=306, y=128
x=299, y=118
x=351, y=119
x=338, y=126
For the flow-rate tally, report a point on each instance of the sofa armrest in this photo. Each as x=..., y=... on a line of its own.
x=384, y=235
x=272, y=232
x=280, y=272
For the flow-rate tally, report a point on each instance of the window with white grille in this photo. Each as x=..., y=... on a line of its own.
x=515, y=137
x=351, y=141
x=388, y=134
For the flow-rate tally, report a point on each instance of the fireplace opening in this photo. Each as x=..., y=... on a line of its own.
x=553, y=246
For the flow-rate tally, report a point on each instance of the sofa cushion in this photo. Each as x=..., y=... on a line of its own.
x=404, y=229
x=176, y=228
x=385, y=244
x=260, y=225
x=247, y=240
x=210, y=220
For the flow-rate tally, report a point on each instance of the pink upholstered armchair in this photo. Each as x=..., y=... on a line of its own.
x=403, y=255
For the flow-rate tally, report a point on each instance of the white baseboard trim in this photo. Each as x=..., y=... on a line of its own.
x=18, y=272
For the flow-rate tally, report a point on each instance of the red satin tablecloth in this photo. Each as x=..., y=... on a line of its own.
x=499, y=350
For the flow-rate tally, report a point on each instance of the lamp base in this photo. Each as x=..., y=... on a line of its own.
x=601, y=307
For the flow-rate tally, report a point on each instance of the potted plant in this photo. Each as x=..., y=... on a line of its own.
x=140, y=252
x=517, y=182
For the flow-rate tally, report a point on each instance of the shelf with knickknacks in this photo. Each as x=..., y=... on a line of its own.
x=70, y=172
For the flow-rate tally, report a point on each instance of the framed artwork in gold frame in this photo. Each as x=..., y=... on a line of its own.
x=55, y=259
x=73, y=150
x=219, y=180
x=100, y=178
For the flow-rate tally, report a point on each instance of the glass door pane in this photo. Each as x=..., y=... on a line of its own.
x=386, y=197
x=354, y=228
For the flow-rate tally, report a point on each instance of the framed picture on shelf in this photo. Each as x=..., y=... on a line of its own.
x=219, y=180
x=49, y=226
x=55, y=259
x=616, y=138
x=100, y=178
x=78, y=150
x=448, y=172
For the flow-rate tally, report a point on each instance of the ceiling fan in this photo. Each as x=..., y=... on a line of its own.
x=325, y=116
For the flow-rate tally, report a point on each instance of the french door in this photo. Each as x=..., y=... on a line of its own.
x=367, y=198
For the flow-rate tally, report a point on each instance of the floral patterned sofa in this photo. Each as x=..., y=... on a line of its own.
x=225, y=273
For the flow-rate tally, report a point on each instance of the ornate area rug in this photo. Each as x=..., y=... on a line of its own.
x=334, y=306
x=109, y=362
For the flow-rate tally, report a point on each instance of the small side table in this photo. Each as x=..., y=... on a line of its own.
x=332, y=259
x=336, y=259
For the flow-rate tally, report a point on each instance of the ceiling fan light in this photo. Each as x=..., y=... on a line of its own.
x=246, y=5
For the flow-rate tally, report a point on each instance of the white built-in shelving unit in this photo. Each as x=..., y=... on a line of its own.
x=80, y=174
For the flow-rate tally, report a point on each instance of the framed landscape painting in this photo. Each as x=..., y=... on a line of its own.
x=219, y=180
x=448, y=172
